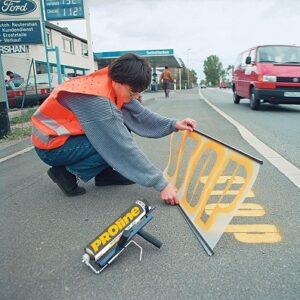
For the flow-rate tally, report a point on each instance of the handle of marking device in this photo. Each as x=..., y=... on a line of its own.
x=150, y=238
x=124, y=238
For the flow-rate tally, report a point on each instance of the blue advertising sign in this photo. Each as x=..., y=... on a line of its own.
x=115, y=54
x=19, y=9
x=20, y=32
x=11, y=49
x=63, y=9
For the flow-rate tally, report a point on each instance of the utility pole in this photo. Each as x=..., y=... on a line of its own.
x=4, y=106
x=188, y=66
x=89, y=36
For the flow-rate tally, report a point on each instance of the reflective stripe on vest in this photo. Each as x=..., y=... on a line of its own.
x=46, y=139
x=52, y=124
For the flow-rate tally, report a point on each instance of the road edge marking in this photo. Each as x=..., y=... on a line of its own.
x=16, y=154
x=283, y=165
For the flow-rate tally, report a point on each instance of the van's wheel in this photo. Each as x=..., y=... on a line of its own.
x=254, y=101
x=236, y=98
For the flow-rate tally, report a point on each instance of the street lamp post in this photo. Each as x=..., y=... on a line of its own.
x=89, y=37
x=188, y=64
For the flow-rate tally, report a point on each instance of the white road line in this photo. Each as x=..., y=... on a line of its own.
x=283, y=165
x=16, y=154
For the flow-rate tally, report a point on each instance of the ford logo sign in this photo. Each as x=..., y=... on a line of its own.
x=295, y=79
x=17, y=7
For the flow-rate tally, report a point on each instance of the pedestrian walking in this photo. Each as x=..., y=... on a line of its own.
x=165, y=79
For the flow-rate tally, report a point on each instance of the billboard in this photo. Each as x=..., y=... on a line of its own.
x=115, y=54
x=20, y=22
x=64, y=9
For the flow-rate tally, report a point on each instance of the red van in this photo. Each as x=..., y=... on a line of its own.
x=269, y=73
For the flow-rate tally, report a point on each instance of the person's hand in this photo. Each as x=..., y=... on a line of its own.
x=186, y=124
x=168, y=195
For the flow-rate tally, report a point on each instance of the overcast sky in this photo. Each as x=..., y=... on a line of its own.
x=220, y=27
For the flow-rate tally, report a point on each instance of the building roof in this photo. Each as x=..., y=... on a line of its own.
x=64, y=31
x=157, y=58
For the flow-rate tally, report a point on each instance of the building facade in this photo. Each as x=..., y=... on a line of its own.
x=73, y=55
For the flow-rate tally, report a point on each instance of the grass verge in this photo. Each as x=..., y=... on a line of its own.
x=20, y=126
x=16, y=134
x=24, y=117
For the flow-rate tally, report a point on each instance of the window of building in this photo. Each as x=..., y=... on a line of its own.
x=70, y=72
x=68, y=44
x=79, y=72
x=41, y=67
x=53, y=69
x=84, y=49
x=48, y=38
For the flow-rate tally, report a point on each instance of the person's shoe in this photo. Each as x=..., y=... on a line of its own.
x=111, y=177
x=66, y=181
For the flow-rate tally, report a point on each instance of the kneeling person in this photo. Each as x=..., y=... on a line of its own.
x=81, y=130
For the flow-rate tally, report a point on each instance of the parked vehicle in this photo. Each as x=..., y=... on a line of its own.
x=269, y=73
x=10, y=91
x=202, y=86
x=37, y=89
x=223, y=85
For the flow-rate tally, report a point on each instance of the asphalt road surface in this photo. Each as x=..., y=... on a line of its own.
x=43, y=233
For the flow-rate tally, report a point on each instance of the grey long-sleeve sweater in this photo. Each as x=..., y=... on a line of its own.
x=104, y=126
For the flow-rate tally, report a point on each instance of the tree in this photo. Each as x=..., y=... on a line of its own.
x=213, y=69
x=230, y=67
x=188, y=75
x=229, y=70
x=223, y=75
x=194, y=77
x=184, y=74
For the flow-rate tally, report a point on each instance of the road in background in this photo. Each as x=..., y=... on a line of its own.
x=43, y=233
x=278, y=126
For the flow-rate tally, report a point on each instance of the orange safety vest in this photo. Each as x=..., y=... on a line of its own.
x=53, y=124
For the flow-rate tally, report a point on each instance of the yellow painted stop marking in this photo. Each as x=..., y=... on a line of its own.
x=247, y=233
x=246, y=209
x=255, y=233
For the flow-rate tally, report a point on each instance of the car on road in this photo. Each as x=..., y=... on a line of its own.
x=36, y=90
x=269, y=73
x=202, y=86
x=223, y=85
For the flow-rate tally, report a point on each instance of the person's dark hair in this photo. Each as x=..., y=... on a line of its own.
x=132, y=70
x=166, y=67
x=9, y=72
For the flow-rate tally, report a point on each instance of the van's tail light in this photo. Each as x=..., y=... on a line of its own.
x=45, y=91
x=267, y=78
